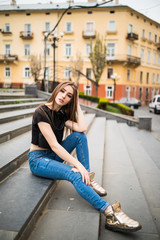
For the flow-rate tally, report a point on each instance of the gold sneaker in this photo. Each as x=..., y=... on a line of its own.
x=96, y=187
x=119, y=221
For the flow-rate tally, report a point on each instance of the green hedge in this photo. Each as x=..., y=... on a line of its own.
x=114, y=107
x=104, y=104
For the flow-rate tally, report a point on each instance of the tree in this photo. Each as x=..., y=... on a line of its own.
x=77, y=66
x=35, y=64
x=98, y=59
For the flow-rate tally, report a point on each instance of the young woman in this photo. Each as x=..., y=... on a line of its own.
x=49, y=151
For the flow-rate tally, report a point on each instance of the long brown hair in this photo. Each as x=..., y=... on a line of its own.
x=71, y=108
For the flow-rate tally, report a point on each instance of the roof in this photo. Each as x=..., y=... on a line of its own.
x=59, y=6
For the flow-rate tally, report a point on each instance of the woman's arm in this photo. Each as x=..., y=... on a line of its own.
x=49, y=135
x=80, y=125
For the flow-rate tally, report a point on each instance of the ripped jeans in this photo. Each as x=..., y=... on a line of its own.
x=45, y=163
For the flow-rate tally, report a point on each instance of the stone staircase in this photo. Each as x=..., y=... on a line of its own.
x=125, y=161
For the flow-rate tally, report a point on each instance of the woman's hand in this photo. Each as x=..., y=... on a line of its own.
x=85, y=174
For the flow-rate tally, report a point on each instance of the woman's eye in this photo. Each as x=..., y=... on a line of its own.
x=69, y=96
x=62, y=90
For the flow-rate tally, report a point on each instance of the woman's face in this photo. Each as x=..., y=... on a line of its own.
x=64, y=96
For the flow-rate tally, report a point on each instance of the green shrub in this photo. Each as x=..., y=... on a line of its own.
x=88, y=97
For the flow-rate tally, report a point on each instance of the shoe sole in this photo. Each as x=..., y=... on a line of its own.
x=127, y=230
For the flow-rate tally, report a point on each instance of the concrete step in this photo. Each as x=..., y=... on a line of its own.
x=23, y=196
x=122, y=180
x=13, y=153
x=68, y=216
x=15, y=115
x=14, y=128
x=20, y=100
x=15, y=96
x=12, y=107
x=146, y=166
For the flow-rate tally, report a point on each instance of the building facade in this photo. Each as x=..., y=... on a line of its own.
x=132, y=41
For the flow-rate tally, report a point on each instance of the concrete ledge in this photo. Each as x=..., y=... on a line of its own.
x=145, y=122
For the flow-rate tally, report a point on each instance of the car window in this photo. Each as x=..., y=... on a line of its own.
x=154, y=99
x=158, y=99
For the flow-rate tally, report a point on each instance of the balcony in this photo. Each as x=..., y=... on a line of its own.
x=88, y=35
x=109, y=32
x=125, y=60
x=143, y=39
x=150, y=41
x=158, y=46
x=6, y=33
x=8, y=58
x=26, y=35
x=132, y=36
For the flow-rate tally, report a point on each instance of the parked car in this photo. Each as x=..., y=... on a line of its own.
x=154, y=105
x=130, y=102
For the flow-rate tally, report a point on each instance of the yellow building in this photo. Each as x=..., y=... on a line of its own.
x=132, y=40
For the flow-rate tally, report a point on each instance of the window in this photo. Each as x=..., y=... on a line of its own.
x=150, y=36
x=7, y=49
x=142, y=54
x=147, y=78
x=27, y=50
x=87, y=90
x=109, y=91
x=7, y=72
x=148, y=56
x=158, y=59
x=89, y=72
x=7, y=27
x=27, y=29
x=68, y=50
x=109, y=72
x=154, y=58
x=157, y=78
x=47, y=73
x=89, y=27
x=88, y=49
x=68, y=27
x=129, y=50
x=112, y=26
x=110, y=51
x=141, y=77
x=27, y=72
x=128, y=74
x=147, y=93
x=152, y=94
x=155, y=38
x=143, y=33
x=130, y=28
x=140, y=93
x=48, y=50
x=67, y=73
x=157, y=93
x=127, y=92
x=47, y=26
x=153, y=78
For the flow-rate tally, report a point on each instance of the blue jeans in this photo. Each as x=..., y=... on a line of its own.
x=45, y=163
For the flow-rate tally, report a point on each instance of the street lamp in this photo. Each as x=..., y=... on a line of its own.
x=114, y=77
x=55, y=39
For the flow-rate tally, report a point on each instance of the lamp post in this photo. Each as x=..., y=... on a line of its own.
x=55, y=39
x=114, y=77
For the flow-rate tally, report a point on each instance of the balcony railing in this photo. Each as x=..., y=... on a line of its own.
x=26, y=34
x=158, y=46
x=126, y=60
x=6, y=32
x=88, y=35
x=132, y=36
x=8, y=58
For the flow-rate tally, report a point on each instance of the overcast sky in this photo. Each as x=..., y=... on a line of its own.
x=150, y=8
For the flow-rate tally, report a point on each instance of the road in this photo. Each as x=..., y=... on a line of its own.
x=144, y=111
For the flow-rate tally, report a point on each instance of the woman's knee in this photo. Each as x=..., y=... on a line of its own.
x=80, y=135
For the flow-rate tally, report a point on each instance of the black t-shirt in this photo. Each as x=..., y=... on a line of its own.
x=57, y=122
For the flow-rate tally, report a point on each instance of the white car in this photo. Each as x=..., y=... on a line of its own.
x=154, y=105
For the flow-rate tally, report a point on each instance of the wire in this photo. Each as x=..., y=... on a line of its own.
x=149, y=8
